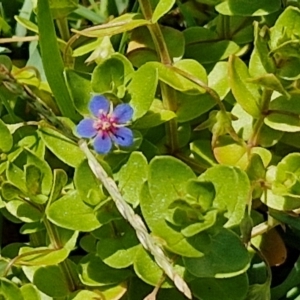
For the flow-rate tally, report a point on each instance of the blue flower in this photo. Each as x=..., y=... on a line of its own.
x=107, y=125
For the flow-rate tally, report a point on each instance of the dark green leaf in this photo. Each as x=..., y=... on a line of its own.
x=93, y=272
x=52, y=61
x=218, y=262
x=248, y=7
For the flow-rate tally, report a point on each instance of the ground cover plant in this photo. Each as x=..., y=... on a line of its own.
x=149, y=149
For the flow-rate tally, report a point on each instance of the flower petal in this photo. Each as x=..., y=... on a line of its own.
x=123, y=136
x=97, y=103
x=122, y=113
x=102, y=143
x=86, y=129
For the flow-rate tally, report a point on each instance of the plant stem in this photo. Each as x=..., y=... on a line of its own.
x=55, y=241
x=63, y=27
x=266, y=98
x=168, y=94
x=196, y=166
x=202, y=84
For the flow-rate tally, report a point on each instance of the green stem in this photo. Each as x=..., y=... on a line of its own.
x=226, y=27
x=55, y=241
x=199, y=82
x=196, y=166
x=8, y=108
x=266, y=98
x=63, y=27
x=168, y=94
x=94, y=6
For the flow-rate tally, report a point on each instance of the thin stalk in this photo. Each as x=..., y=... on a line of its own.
x=94, y=6
x=8, y=108
x=122, y=46
x=20, y=256
x=226, y=27
x=55, y=241
x=199, y=82
x=266, y=98
x=19, y=39
x=168, y=94
x=63, y=27
x=195, y=165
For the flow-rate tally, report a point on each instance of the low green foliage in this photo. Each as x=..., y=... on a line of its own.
x=149, y=149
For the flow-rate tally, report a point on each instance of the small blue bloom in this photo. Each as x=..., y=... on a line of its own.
x=107, y=125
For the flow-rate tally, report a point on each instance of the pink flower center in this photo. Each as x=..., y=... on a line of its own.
x=105, y=123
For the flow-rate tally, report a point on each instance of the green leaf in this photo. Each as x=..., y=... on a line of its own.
x=45, y=171
x=60, y=179
x=9, y=191
x=33, y=142
x=79, y=85
x=52, y=61
x=87, y=185
x=6, y=141
x=65, y=149
x=146, y=268
x=125, y=22
x=208, y=220
x=16, y=176
x=259, y=292
x=141, y=48
x=132, y=176
x=270, y=81
x=248, y=7
x=107, y=212
x=285, y=218
x=93, y=272
x=260, y=61
x=246, y=94
x=202, y=151
x=70, y=212
x=85, y=295
x=232, y=191
x=169, y=76
x=163, y=7
x=33, y=179
x=167, y=181
x=285, y=182
x=42, y=256
x=29, y=228
x=51, y=280
x=142, y=92
x=88, y=243
x=117, y=248
x=287, y=26
x=30, y=292
x=155, y=116
x=211, y=52
x=24, y=211
x=61, y=8
x=198, y=34
x=192, y=106
x=232, y=153
x=234, y=288
x=9, y=290
x=284, y=114
x=218, y=262
x=112, y=75
x=68, y=238
x=27, y=24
